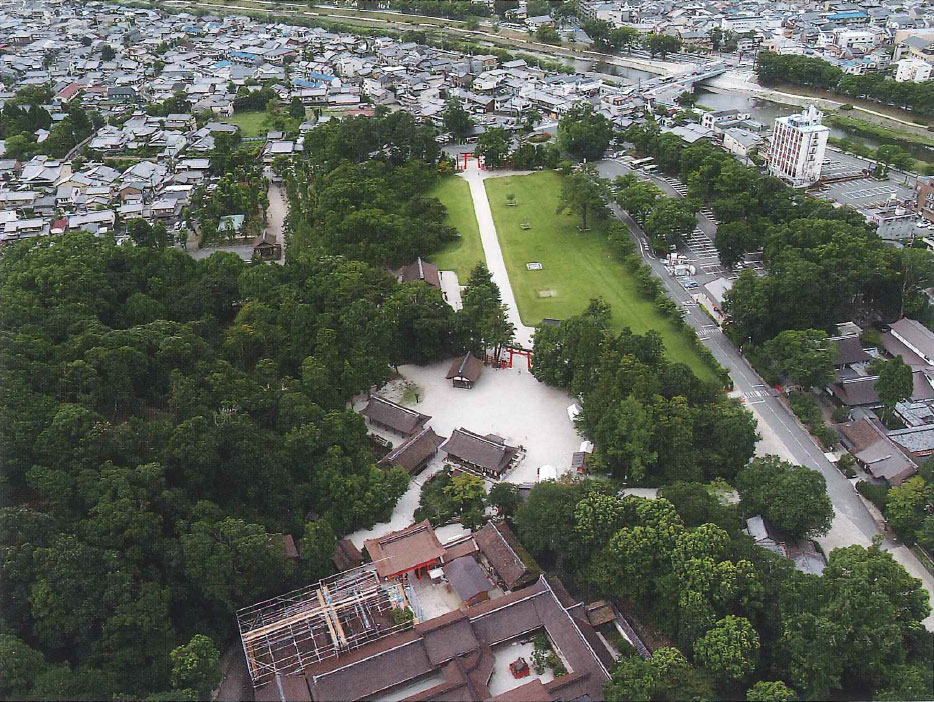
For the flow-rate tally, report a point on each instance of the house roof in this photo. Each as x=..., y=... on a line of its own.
x=848, y=350
x=916, y=440
x=896, y=347
x=396, y=417
x=412, y=452
x=346, y=555
x=482, y=451
x=284, y=688
x=916, y=334
x=468, y=366
x=499, y=545
x=533, y=691
x=458, y=644
x=404, y=549
x=421, y=270
x=857, y=392
x=883, y=458
x=467, y=577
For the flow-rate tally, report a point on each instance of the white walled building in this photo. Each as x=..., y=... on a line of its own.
x=912, y=69
x=855, y=39
x=742, y=23
x=798, y=145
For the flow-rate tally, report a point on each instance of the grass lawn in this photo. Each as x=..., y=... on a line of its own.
x=575, y=266
x=251, y=123
x=465, y=253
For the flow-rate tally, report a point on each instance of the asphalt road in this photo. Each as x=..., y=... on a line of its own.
x=854, y=524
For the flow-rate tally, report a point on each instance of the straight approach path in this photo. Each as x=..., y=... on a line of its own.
x=492, y=250
x=275, y=216
x=853, y=524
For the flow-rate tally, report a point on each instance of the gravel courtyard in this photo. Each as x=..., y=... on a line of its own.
x=510, y=403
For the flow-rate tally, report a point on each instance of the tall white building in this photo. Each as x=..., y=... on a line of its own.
x=798, y=145
x=912, y=69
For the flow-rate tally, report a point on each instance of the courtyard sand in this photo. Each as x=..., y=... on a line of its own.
x=510, y=403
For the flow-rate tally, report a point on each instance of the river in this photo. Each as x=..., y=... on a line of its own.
x=625, y=73
x=765, y=111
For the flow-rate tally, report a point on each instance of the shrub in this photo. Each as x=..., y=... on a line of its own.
x=875, y=493
x=841, y=414
x=401, y=616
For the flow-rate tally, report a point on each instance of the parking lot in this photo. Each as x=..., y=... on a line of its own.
x=837, y=164
x=865, y=193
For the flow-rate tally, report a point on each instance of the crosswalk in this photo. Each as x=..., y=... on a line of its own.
x=757, y=395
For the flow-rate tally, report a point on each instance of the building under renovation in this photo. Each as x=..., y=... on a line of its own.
x=463, y=632
x=284, y=635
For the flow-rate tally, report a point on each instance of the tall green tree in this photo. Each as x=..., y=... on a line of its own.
x=583, y=192
x=637, y=197
x=766, y=691
x=894, y=383
x=805, y=357
x=196, y=666
x=662, y=44
x=493, y=147
x=667, y=675
x=730, y=649
x=584, y=133
x=792, y=498
x=456, y=119
x=907, y=507
x=672, y=220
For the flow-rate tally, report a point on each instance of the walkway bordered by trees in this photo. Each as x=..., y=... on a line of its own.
x=492, y=250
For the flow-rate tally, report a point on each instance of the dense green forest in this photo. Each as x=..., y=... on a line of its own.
x=735, y=618
x=162, y=420
x=652, y=421
x=167, y=420
x=823, y=264
x=814, y=72
x=25, y=113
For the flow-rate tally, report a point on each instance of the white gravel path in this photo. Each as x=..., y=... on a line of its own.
x=491, y=248
x=275, y=215
x=451, y=289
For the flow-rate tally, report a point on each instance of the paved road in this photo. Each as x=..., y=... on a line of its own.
x=492, y=250
x=853, y=524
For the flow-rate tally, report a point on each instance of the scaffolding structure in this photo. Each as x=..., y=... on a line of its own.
x=285, y=634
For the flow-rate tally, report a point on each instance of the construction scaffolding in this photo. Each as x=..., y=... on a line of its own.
x=285, y=634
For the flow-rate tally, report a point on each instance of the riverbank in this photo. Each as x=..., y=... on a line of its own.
x=746, y=83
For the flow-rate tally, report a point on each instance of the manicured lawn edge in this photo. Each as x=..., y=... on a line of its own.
x=581, y=266
x=466, y=252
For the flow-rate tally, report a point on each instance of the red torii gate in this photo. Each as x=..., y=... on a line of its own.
x=513, y=351
x=466, y=158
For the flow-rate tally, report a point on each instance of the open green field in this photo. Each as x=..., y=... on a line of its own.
x=251, y=123
x=576, y=266
x=465, y=253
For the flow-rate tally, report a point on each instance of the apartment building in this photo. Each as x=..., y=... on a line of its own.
x=798, y=145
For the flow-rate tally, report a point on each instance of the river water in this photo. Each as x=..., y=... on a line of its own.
x=764, y=111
